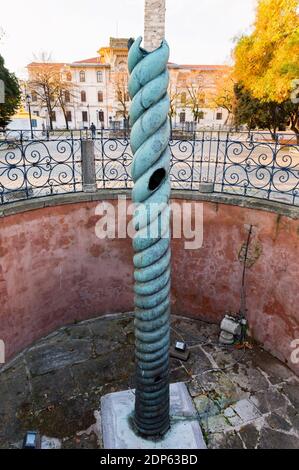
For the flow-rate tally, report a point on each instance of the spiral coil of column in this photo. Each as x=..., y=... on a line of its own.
x=150, y=134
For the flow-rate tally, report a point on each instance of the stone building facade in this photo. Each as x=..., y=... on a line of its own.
x=97, y=91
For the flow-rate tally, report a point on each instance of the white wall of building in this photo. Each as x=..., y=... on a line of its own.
x=83, y=113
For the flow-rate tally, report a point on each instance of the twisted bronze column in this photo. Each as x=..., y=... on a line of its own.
x=150, y=171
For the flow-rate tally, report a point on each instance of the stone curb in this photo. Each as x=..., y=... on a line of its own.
x=217, y=198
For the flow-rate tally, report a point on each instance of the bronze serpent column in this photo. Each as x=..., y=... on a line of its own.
x=150, y=135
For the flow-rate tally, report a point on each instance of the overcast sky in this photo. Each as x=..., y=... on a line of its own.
x=198, y=31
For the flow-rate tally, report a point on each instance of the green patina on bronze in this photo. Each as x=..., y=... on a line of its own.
x=150, y=172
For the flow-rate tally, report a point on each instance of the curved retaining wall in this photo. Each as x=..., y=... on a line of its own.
x=54, y=270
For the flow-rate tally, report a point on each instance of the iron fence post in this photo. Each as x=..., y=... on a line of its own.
x=88, y=166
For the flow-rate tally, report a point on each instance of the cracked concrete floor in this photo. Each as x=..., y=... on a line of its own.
x=244, y=399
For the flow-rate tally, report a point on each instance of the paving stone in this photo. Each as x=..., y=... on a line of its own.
x=197, y=362
x=84, y=441
x=269, y=400
x=229, y=440
x=175, y=363
x=115, y=366
x=275, y=370
x=246, y=410
x=292, y=414
x=229, y=412
x=215, y=424
x=218, y=387
x=205, y=406
x=8, y=419
x=17, y=382
x=275, y=421
x=193, y=332
x=235, y=421
x=249, y=435
x=14, y=395
x=111, y=334
x=292, y=392
x=47, y=357
x=224, y=356
x=66, y=418
x=178, y=374
x=50, y=388
x=272, y=439
x=78, y=331
x=248, y=379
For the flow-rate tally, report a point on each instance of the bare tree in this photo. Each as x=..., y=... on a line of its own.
x=173, y=98
x=195, y=98
x=49, y=86
x=122, y=94
x=66, y=94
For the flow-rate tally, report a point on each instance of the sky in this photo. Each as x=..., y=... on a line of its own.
x=198, y=31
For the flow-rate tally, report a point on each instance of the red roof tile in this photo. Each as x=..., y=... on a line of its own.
x=92, y=60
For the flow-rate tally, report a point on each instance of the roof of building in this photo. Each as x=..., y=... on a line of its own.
x=97, y=61
x=52, y=64
x=92, y=60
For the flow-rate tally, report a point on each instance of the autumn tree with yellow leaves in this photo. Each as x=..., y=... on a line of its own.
x=267, y=61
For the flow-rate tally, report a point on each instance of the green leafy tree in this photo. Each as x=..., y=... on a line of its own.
x=257, y=114
x=12, y=96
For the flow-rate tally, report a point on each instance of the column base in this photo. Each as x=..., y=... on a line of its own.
x=118, y=430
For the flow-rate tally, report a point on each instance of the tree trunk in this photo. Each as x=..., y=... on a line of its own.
x=49, y=109
x=170, y=122
x=296, y=131
x=66, y=121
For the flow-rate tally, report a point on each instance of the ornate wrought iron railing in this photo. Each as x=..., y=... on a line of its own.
x=241, y=163
x=39, y=167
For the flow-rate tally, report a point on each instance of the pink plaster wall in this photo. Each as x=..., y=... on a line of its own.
x=54, y=271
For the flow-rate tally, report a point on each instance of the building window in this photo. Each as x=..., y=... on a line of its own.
x=84, y=116
x=36, y=113
x=183, y=98
x=219, y=116
x=200, y=115
x=69, y=76
x=34, y=97
x=67, y=96
x=53, y=116
x=69, y=116
x=82, y=76
x=99, y=77
x=101, y=116
x=100, y=97
x=83, y=96
x=182, y=117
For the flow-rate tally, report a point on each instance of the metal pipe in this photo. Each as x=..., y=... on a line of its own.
x=150, y=134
